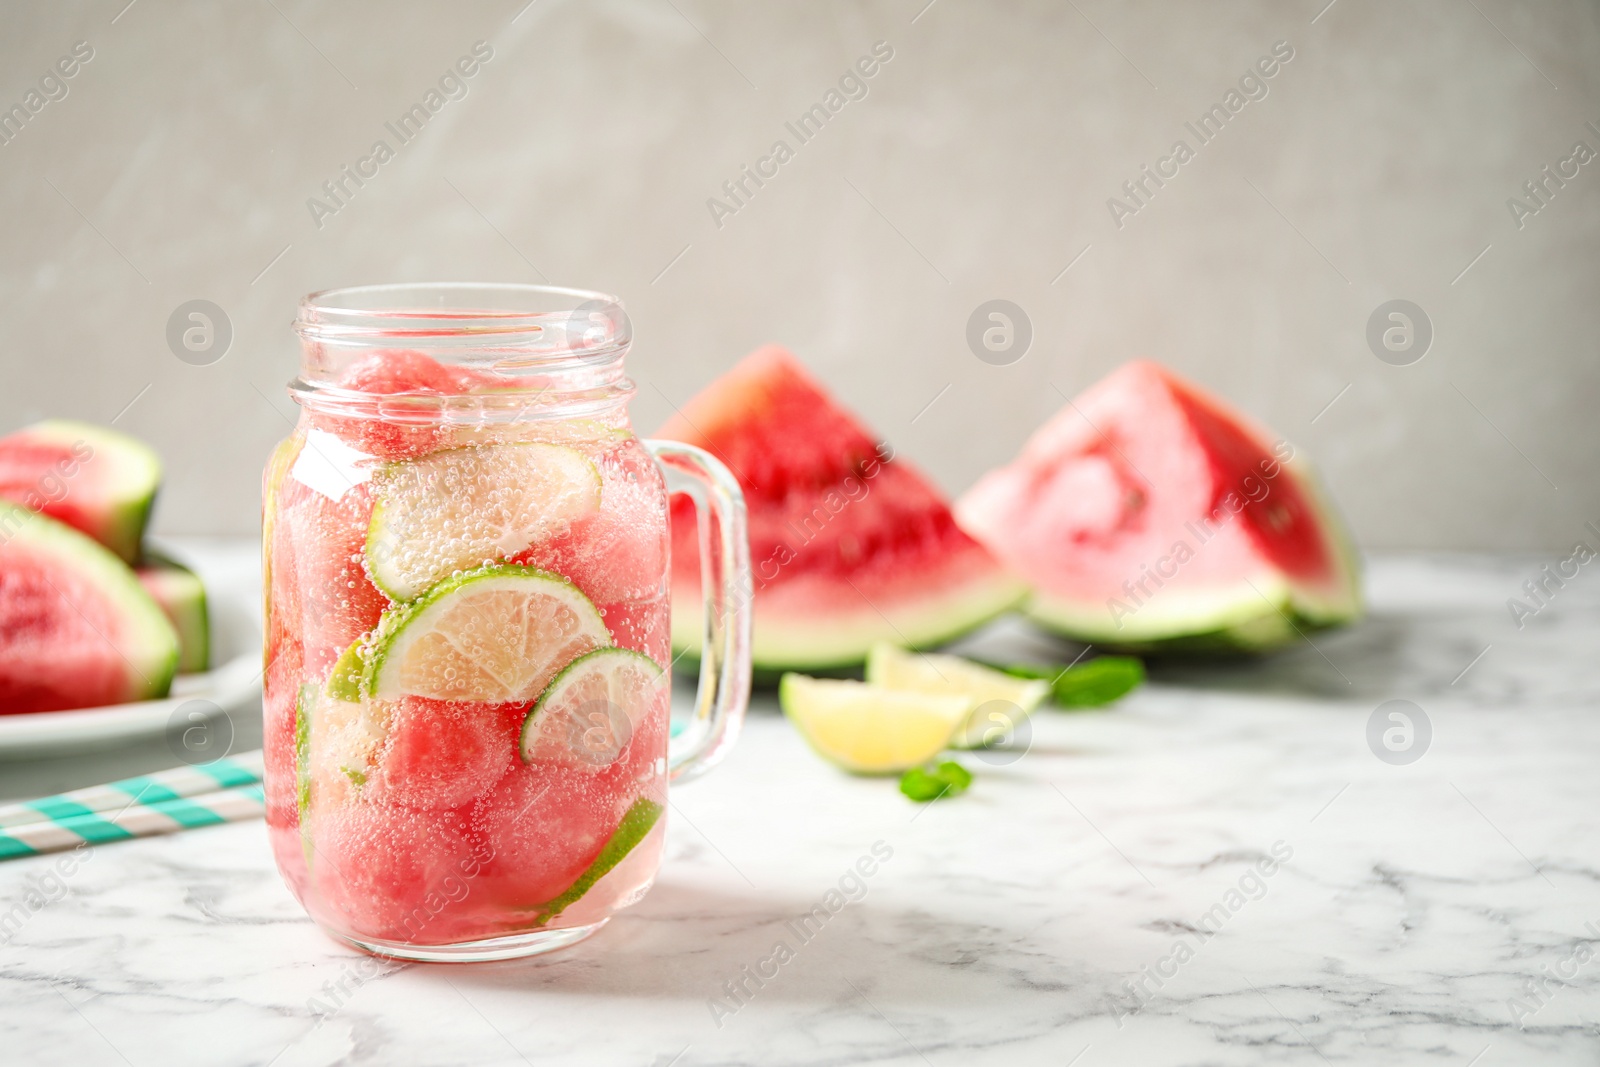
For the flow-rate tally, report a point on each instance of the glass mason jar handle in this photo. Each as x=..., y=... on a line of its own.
x=725, y=580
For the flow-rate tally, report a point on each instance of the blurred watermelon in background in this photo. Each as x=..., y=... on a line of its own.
x=79, y=625
x=850, y=545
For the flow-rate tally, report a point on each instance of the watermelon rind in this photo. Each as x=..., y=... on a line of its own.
x=127, y=475
x=839, y=644
x=182, y=598
x=149, y=644
x=1266, y=612
x=830, y=582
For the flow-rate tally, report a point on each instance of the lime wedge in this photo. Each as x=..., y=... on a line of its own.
x=870, y=729
x=589, y=712
x=344, y=680
x=337, y=743
x=463, y=507
x=304, y=707
x=637, y=822
x=496, y=634
x=916, y=672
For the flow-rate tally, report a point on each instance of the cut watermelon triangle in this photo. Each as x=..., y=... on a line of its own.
x=1149, y=515
x=849, y=545
x=76, y=628
x=96, y=480
x=181, y=595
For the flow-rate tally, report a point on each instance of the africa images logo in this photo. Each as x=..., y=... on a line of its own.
x=852, y=85
x=352, y=177
x=53, y=87
x=1207, y=128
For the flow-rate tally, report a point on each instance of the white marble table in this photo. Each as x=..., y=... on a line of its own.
x=1414, y=918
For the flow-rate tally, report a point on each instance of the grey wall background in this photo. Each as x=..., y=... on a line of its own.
x=978, y=166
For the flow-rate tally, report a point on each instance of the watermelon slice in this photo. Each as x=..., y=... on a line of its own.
x=76, y=628
x=849, y=545
x=96, y=480
x=1149, y=515
x=182, y=598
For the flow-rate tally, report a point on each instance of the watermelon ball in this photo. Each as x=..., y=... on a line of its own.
x=618, y=552
x=280, y=689
x=395, y=874
x=544, y=825
x=388, y=371
x=400, y=372
x=336, y=600
x=445, y=753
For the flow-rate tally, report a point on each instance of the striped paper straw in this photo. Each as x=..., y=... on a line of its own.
x=230, y=773
x=137, y=818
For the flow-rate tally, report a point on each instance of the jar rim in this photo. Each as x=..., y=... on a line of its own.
x=507, y=324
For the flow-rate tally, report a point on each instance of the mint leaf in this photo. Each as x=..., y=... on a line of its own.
x=924, y=784
x=1092, y=684
x=1098, y=682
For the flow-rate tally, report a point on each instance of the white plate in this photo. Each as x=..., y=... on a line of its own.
x=234, y=688
x=231, y=573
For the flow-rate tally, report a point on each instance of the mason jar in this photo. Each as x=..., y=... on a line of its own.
x=468, y=680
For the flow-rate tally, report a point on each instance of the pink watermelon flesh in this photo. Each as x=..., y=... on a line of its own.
x=76, y=628
x=617, y=553
x=383, y=867
x=284, y=666
x=850, y=545
x=445, y=754
x=323, y=542
x=182, y=598
x=400, y=373
x=1149, y=514
x=390, y=874
x=97, y=481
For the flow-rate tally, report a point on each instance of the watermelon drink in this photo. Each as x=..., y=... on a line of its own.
x=467, y=686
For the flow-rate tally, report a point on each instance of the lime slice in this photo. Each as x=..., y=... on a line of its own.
x=335, y=746
x=344, y=680
x=637, y=822
x=588, y=714
x=916, y=672
x=870, y=729
x=337, y=743
x=496, y=634
x=463, y=507
x=304, y=708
